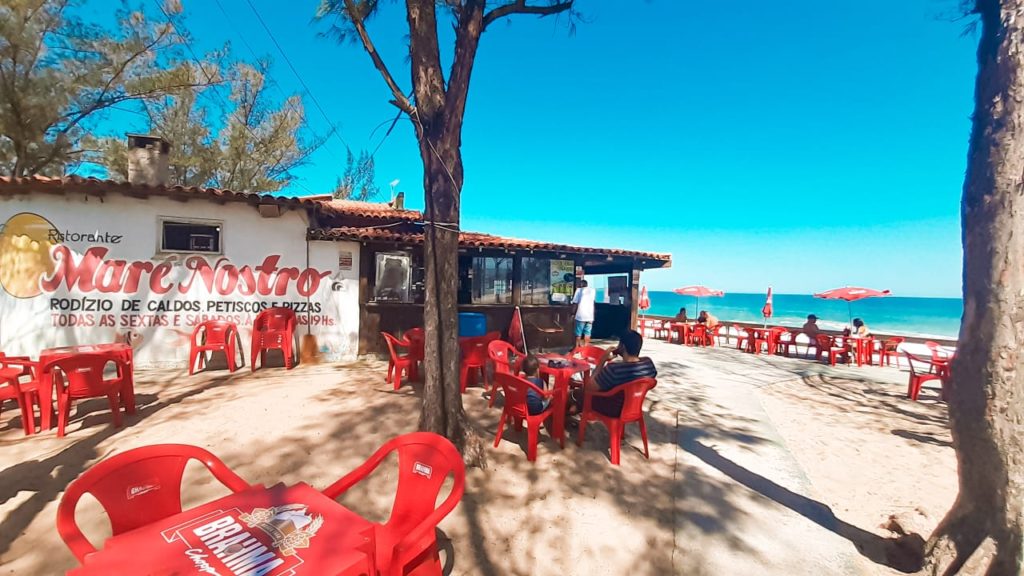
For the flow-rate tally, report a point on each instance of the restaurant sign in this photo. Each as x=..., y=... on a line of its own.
x=263, y=542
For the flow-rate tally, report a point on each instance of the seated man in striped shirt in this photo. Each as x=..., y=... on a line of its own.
x=608, y=374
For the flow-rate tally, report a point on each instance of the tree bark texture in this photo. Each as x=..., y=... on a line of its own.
x=439, y=135
x=986, y=395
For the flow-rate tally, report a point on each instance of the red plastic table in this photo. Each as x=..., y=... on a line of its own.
x=863, y=350
x=682, y=329
x=276, y=531
x=562, y=376
x=119, y=352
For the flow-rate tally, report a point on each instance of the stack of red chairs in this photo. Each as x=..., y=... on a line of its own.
x=81, y=376
x=274, y=329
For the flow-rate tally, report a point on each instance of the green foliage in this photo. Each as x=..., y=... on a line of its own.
x=59, y=75
x=358, y=181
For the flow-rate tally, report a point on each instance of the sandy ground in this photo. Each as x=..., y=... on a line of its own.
x=753, y=462
x=868, y=450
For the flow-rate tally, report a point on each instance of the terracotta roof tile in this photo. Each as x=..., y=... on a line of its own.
x=11, y=186
x=474, y=240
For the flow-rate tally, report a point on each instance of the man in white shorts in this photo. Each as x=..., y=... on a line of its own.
x=584, y=301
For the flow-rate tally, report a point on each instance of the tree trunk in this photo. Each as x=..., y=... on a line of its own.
x=986, y=396
x=442, y=410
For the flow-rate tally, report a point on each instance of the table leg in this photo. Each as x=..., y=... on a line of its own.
x=46, y=420
x=561, y=400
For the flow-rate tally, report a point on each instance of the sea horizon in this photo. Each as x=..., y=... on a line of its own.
x=917, y=316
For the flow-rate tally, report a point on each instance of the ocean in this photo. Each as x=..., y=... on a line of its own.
x=921, y=317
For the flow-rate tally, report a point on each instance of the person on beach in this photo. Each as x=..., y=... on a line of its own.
x=810, y=328
x=608, y=374
x=681, y=316
x=535, y=403
x=860, y=329
x=584, y=301
x=707, y=319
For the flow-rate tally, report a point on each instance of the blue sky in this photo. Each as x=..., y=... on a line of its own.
x=799, y=144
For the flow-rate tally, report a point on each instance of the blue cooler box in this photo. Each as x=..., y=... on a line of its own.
x=472, y=324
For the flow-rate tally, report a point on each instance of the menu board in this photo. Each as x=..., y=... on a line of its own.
x=563, y=276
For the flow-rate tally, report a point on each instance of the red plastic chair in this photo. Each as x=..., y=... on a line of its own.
x=136, y=488
x=213, y=336
x=888, y=350
x=274, y=329
x=506, y=359
x=515, y=409
x=474, y=357
x=632, y=411
x=759, y=338
x=81, y=376
x=742, y=336
x=406, y=544
x=701, y=336
x=919, y=377
x=416, y=338
x=398, y=362
x=26, y=394
x=784, y=339
x=717, y=335
x=826, y=346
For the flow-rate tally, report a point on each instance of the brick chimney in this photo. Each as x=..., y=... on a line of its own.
x=147, y=159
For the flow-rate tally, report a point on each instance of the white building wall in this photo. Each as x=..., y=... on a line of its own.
x=118, y=286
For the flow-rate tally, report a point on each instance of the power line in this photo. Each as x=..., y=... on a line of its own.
x=334, y=129
x=241, y=36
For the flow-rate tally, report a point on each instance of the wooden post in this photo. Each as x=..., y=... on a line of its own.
x=517, y=280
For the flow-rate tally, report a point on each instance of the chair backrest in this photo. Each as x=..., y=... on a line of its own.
x=213, y=332
x=824, y=341
x=892, y=344
x=515, y=389
x=474, y=350
x=633, y=394
x=81, y=375
x=416, y=338
x=592, y=354
x=505, y=356
x=425, y=460
x=915, y=371
x=275, y=319
x=740, y=330
x=393, y=344
x=136, y=488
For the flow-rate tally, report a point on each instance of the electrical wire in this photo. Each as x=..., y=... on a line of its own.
x=334, y=129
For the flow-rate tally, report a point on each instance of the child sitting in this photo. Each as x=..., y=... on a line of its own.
x=535, y=403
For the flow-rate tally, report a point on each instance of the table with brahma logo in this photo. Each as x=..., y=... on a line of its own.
x=276, y=531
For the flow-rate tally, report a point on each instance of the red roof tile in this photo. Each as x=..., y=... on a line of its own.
x=11, y=186
x=474, y=240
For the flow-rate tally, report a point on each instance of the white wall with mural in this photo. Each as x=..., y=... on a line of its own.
x=77, y=269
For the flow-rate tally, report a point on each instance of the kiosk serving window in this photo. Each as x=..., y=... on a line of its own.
x=491, y=280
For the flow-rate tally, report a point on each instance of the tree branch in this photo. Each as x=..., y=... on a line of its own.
x=400, y=100
x=521, y=7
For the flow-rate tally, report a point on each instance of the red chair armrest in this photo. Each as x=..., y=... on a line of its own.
x=349, y=480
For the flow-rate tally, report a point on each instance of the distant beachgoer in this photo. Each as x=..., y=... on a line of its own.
x=811, y=327
x=535, y=403
x=584, y=301
x=707, y=319
x=860, y=329
x=681, y=316
x=608, y=374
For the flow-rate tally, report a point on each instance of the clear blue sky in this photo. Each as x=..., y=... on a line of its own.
x=802, y=144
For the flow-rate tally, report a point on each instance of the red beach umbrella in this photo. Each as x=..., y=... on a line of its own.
x=645, y=300
x=766, y=311
x=851, y=293
x=697, y=292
